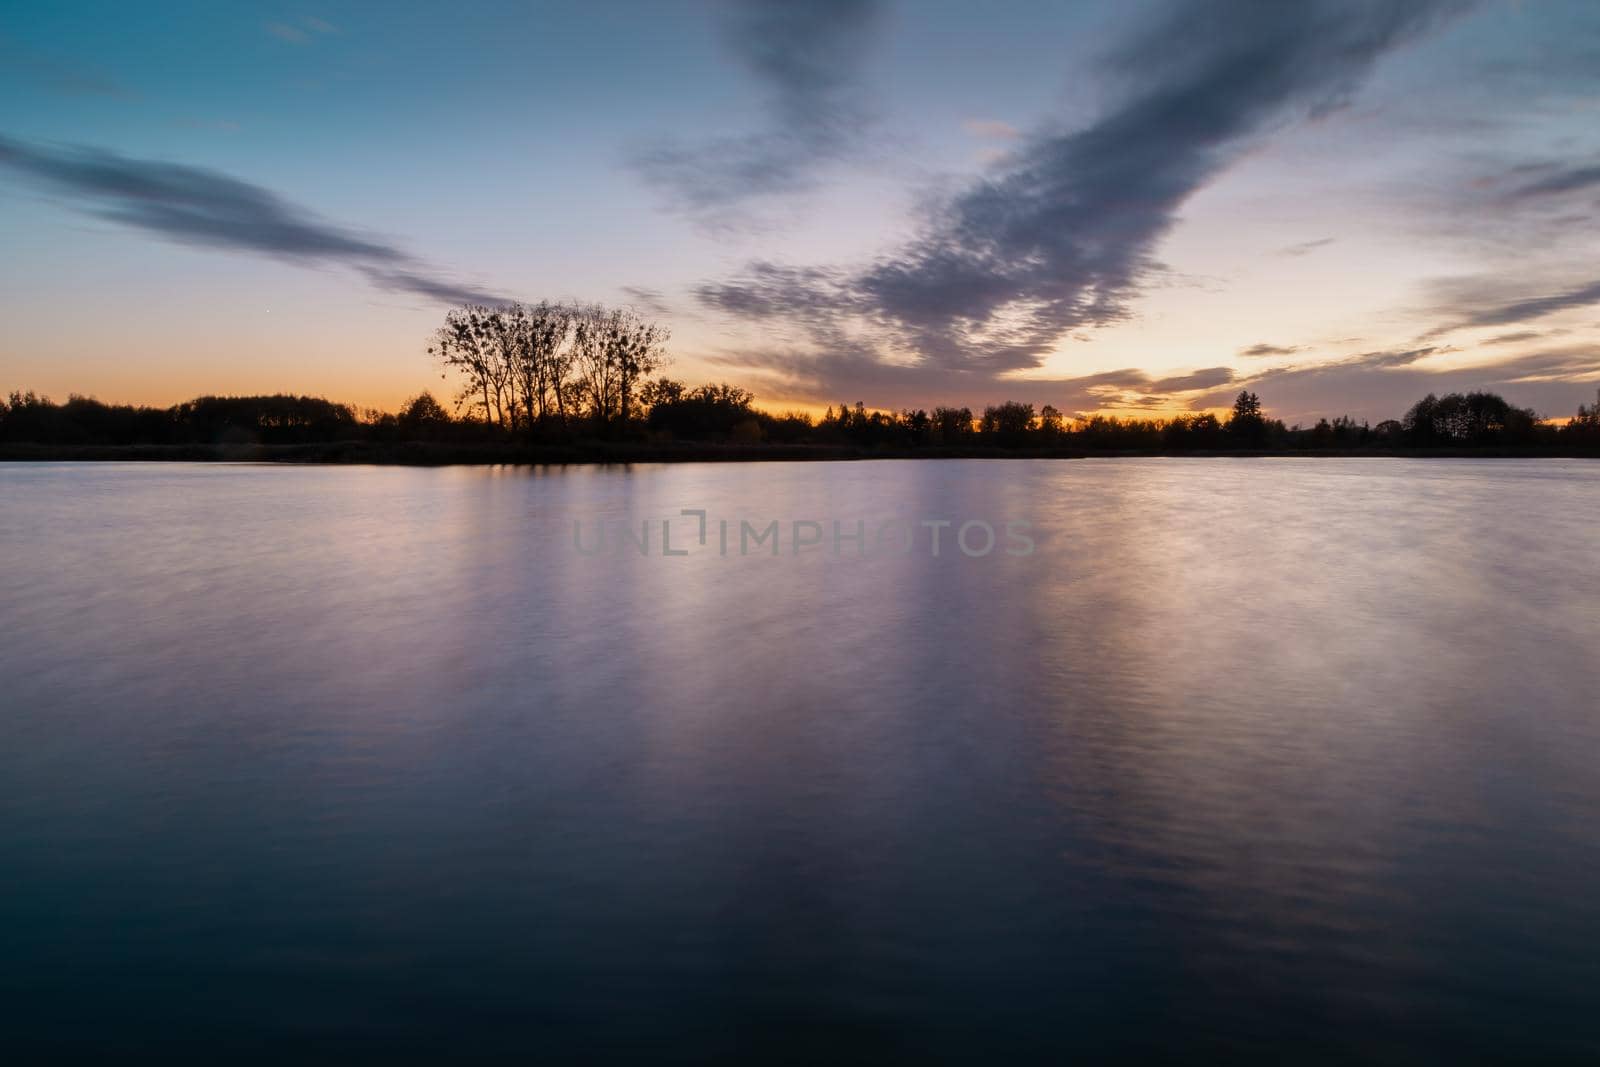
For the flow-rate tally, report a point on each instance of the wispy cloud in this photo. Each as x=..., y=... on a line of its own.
x=192, y=205
x=59, y=75
x=845, y=374
x=1375, y=385
x=1380, y=385
x=302, y=30
x=1557, y=180
x=807, y=57
x=1513, y=338
x=1527, y=309
x=647, y=299
x=1306, y=247
x=431, y=286
x=1210, y=378
x=1262, y=350
x=1063, y=235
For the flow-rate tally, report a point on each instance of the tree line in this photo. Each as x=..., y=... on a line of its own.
x=661, y=410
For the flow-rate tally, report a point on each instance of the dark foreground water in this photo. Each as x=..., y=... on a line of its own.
x=1248, y=756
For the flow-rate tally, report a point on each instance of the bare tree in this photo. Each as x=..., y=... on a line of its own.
x=473, y=342
x=543, y=361
x=638, y=348
x=593, y=368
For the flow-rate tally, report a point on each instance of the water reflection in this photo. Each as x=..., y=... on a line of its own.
x=1247, y=751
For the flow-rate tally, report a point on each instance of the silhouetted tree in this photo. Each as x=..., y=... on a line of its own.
x=1246, y=424
x=1585, y=425
x=638, y=347
x=537, y=338
x=1050, y=425
x=422, y=418
x=471, y=343
x=1007, y=424
x=613, y=351
x=952, y=426
x=710, y=411
x=661, y=391
x=1192, y=432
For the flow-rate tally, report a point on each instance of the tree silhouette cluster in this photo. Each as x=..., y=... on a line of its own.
x=1471, y=419
x=532, y=368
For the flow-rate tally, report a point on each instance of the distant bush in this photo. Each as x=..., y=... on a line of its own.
x=708, y=412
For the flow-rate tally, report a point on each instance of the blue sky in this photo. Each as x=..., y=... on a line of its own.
x=1342, y=204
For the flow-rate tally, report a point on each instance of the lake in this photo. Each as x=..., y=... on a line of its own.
x=1237, y=756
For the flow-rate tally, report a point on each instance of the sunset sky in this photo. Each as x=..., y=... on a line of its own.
x=1341, y=204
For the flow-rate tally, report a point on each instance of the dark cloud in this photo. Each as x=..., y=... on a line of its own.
x=1209, y=378
x=647, y=299
x=443, y=291
x=192, y=205
x=1536, y=307
x=1557, y=181
x=1062, y=236
x=1362, y=365
x=767, y=290
x=846, y=374
x=1401, y=358
x=1373, y=385
x=1527, y=309
x=1513, y=338
x=807, y=56
x=1269, y=350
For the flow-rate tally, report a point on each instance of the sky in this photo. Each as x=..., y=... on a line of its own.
x=1130, y=208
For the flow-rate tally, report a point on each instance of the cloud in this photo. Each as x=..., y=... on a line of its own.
x=1381, y=385
x=62, y=76
x=1559, y=180
x=647, y=299
x=767, y=290
x=285, y=32
x=1306, y=247
x=807, y=56
x=1374, y=385
x=441, y=290
x=1269, y=350
x=1537, y=307
x=848, y=374
x=301, y=30
x=1512, y=338
x=195, y=206
x=1209, y=378
x=1063, y=235
x=1523, y=310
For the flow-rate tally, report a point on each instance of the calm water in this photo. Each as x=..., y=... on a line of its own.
x=1246, y=756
